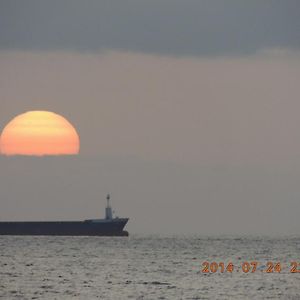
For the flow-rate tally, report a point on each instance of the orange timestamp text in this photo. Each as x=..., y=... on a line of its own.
x=248, y=267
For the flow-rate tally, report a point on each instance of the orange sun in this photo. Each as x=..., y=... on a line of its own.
x=39, y=133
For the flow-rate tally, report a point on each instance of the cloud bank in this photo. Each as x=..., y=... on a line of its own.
x=174, y=27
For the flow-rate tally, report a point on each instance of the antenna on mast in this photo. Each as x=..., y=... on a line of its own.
x=108, y=210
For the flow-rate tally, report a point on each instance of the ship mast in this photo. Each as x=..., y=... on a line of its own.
x=108, y=210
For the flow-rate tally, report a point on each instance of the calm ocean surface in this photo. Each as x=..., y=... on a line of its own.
x=145, y=267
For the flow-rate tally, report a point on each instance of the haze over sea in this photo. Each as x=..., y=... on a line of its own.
x=145, y=267
x=187, y=114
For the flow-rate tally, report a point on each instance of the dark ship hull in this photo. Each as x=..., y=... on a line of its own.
x=101, y=227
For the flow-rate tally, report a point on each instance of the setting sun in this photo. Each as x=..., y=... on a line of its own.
x=39, y=133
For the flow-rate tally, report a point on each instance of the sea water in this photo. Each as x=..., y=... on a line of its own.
x=148, y=267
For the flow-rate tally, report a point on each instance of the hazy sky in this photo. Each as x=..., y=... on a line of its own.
x=188, y=112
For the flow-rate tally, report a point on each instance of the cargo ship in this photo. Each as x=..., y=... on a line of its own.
x=109, y=226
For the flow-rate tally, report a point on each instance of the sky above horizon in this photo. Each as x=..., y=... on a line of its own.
x=187, y=112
